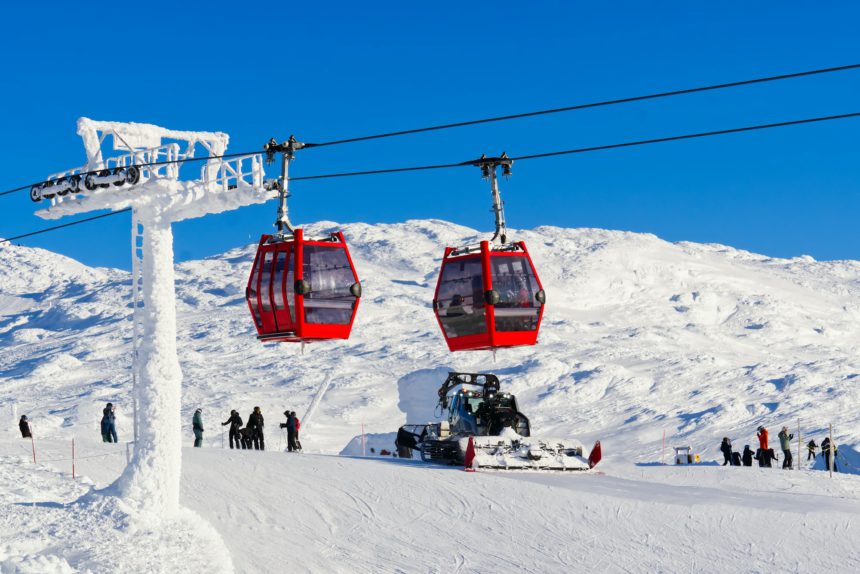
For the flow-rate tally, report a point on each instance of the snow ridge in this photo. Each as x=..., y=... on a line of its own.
x=640, y=335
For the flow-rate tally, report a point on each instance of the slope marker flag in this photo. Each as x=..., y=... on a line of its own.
x=470, y=455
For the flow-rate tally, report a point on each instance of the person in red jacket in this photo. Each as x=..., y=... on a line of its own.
x=298, y=426
x=762, y=438
x=764, y=454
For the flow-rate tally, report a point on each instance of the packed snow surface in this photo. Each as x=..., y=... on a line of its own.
x=640, y=337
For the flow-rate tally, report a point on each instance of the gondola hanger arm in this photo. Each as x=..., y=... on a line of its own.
x=288, y=151
x=489, y=167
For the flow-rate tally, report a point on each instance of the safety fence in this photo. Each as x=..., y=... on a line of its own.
x=74, y=458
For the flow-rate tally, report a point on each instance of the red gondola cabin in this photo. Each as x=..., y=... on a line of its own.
x=314, y=301
x=488, y=298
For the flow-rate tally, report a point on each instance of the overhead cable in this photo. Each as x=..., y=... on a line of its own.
x=604, y=103
x=515, y=158
x=574, y=107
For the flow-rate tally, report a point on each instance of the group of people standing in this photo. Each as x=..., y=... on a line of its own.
x=765, y=455
x=247, y=437
x=251, y=435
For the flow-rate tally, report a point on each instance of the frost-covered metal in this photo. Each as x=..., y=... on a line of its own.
x=147, y=177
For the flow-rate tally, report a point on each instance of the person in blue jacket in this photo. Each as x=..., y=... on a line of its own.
x=109, y=424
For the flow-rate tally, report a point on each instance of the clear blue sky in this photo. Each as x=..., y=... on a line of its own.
x=338, y=69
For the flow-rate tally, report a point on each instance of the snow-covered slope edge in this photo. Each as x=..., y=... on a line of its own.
x=639, y=336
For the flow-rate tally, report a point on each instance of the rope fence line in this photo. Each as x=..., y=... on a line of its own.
x=82, y=457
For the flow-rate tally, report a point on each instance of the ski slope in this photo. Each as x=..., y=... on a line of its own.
x=322, y=513
x=640, y=337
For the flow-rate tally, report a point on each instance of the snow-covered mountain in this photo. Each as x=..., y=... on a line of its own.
x=640, y=336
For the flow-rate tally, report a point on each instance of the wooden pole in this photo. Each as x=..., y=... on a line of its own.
x=33, y=444
x=830, y=450
x=73, y=458
x=663, y=455
x=798, y=443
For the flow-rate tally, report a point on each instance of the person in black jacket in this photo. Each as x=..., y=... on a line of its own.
x=235, y=422
x=24, y=425
x=747, y=456
x=829, y=450
x=245, y=434
x=810, y=447
x=290, y=425
x=726, y=447
x=255, y=423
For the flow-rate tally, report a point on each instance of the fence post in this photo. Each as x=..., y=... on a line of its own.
x=33, y=443
x=663, y=454
x=798, y=443
x=73, y=458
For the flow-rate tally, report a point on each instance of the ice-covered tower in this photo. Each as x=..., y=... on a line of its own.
x=145, y=177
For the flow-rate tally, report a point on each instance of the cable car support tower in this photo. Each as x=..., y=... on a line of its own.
x=145, y=177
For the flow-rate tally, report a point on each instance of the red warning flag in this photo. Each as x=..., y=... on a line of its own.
x=595, y=455
x=470, y=455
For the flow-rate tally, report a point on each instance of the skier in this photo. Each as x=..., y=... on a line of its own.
x=197, y=427
x=748, y=455
x=762, y=455
x=290, y=425
x=785, y=444
x=726, y=447
x=762, y=438
x=298, y=428
x=810, y=447
x=24, y=425
x=109, y=424
x=255, y=423
x=828, y=450
x=235, y=422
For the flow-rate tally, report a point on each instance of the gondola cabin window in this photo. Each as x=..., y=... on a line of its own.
x=515, y=282
x=461, y=297
x=330, y=276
